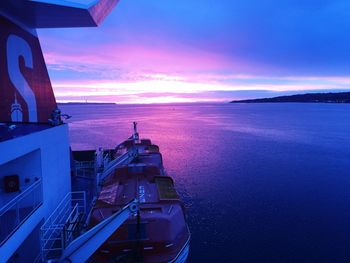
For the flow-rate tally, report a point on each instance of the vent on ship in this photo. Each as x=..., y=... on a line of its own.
x=11, y=183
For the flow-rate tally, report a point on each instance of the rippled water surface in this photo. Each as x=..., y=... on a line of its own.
x=261, y=182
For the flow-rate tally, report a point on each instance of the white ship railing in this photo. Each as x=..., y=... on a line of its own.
x=15, y=212
x=84, y=164
x=84, y=169
x=63, y=225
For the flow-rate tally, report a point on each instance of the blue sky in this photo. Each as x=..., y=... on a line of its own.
x=183, y=51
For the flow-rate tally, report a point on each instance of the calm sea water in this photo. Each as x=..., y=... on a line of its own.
x=261, y=182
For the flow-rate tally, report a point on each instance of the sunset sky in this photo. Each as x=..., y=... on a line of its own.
x=158, y=51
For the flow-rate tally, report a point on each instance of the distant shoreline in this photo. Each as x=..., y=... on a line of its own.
x=86, y=103
x=336, y=97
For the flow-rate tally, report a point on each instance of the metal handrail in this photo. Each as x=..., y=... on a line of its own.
x=53, y=234
x=83, y=164
x=57, y=208
x=12, y=224
x=60, y=214
x=19, y=197
x=67, y=199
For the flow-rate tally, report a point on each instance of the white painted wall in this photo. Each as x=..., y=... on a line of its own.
x=53, y=145
x=27, y=167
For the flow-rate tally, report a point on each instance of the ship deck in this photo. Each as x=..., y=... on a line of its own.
x=10, y=130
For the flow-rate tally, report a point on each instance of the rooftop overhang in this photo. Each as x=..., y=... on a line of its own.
x=58, y=13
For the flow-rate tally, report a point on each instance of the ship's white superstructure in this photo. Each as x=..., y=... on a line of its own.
x=35, y=157
x=39, y=159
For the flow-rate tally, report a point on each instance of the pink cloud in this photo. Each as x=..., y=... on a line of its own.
x=167, y=72
x=138, y=59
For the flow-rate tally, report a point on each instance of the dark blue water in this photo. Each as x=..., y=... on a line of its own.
x=262, y=182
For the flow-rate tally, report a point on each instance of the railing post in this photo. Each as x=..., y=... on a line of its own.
x=35, y=198
x=17, y=214
x=42, y=245
x=63, y=238
x=84, y=202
